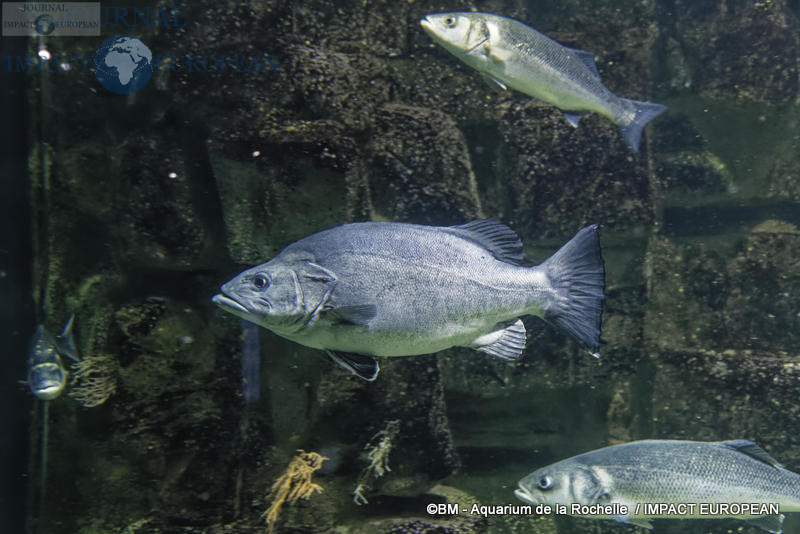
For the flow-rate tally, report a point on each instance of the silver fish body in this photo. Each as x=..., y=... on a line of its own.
x=394, y=289
x=47, y=376
x=708, y=475
x=511, y=54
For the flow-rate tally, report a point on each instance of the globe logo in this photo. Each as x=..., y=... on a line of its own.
x=123, y=64
x=44, y=24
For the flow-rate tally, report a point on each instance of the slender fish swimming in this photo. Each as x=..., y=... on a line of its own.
x=508, y=53
x=643, y=480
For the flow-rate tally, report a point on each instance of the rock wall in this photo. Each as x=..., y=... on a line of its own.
x=144, y=204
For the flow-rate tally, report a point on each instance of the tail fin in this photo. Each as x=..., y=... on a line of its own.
x=578, y=277
x=644, y=113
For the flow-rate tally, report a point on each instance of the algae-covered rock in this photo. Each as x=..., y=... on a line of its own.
x=745, y=51
x=159, y=183
x=408, y=390
x=420, y=168
x=710, y=395
x=562, y=178
x=261, y=200
x=687, y=288
x=762, y=307
x=344, y=87
x=700, y=300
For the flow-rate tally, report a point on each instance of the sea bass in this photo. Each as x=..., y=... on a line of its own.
x=47, y=376
x=510, y=54
x=392, y=289
x=639, y=481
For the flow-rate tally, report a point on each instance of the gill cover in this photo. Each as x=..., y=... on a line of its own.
x=586, y=487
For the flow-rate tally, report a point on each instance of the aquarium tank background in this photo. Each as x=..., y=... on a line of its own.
x=146, y=165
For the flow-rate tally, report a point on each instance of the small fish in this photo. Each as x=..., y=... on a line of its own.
x=392, y=289
x=508, y=53
x=701, y=479
x=47, y=376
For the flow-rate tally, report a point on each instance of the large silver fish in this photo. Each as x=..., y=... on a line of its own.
x=510, y=54
x=392, y=289
x=639, y=481
x=47, y=376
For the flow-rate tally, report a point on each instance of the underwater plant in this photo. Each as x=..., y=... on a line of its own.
x=295, y=483
x=94, y=380
x=378, y=449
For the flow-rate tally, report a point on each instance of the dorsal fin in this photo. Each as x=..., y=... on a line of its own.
x=495, y=237
x=751, y=449
x=588, y=59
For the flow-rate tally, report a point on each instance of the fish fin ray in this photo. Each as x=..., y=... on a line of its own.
x=587, y=58
x=496, y=237
x=316, y=272
x=360, y=314
x=65, y=342
x=753, y=450
x=363, y=366
x=770, y=523
x=494, y=83
x=573, y=118
x=577, y=274
x=507, y=343
x=644, y=112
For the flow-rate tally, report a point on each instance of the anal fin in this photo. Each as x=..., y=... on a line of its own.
x=573, y=118
x=364, y=367
x=506, y=343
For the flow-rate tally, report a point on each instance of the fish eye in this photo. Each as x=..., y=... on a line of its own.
x=260, y=281
x=450, y=21
x=545, y=483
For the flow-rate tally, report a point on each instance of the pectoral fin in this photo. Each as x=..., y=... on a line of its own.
x=315, y=272
x=494, y=83
x=360, y=314
x=770, y=523
x=364, y=367
x=507, y=343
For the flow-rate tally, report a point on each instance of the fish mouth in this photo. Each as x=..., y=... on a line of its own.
x=229, y=305
x=426, y=24
x=524, y=494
